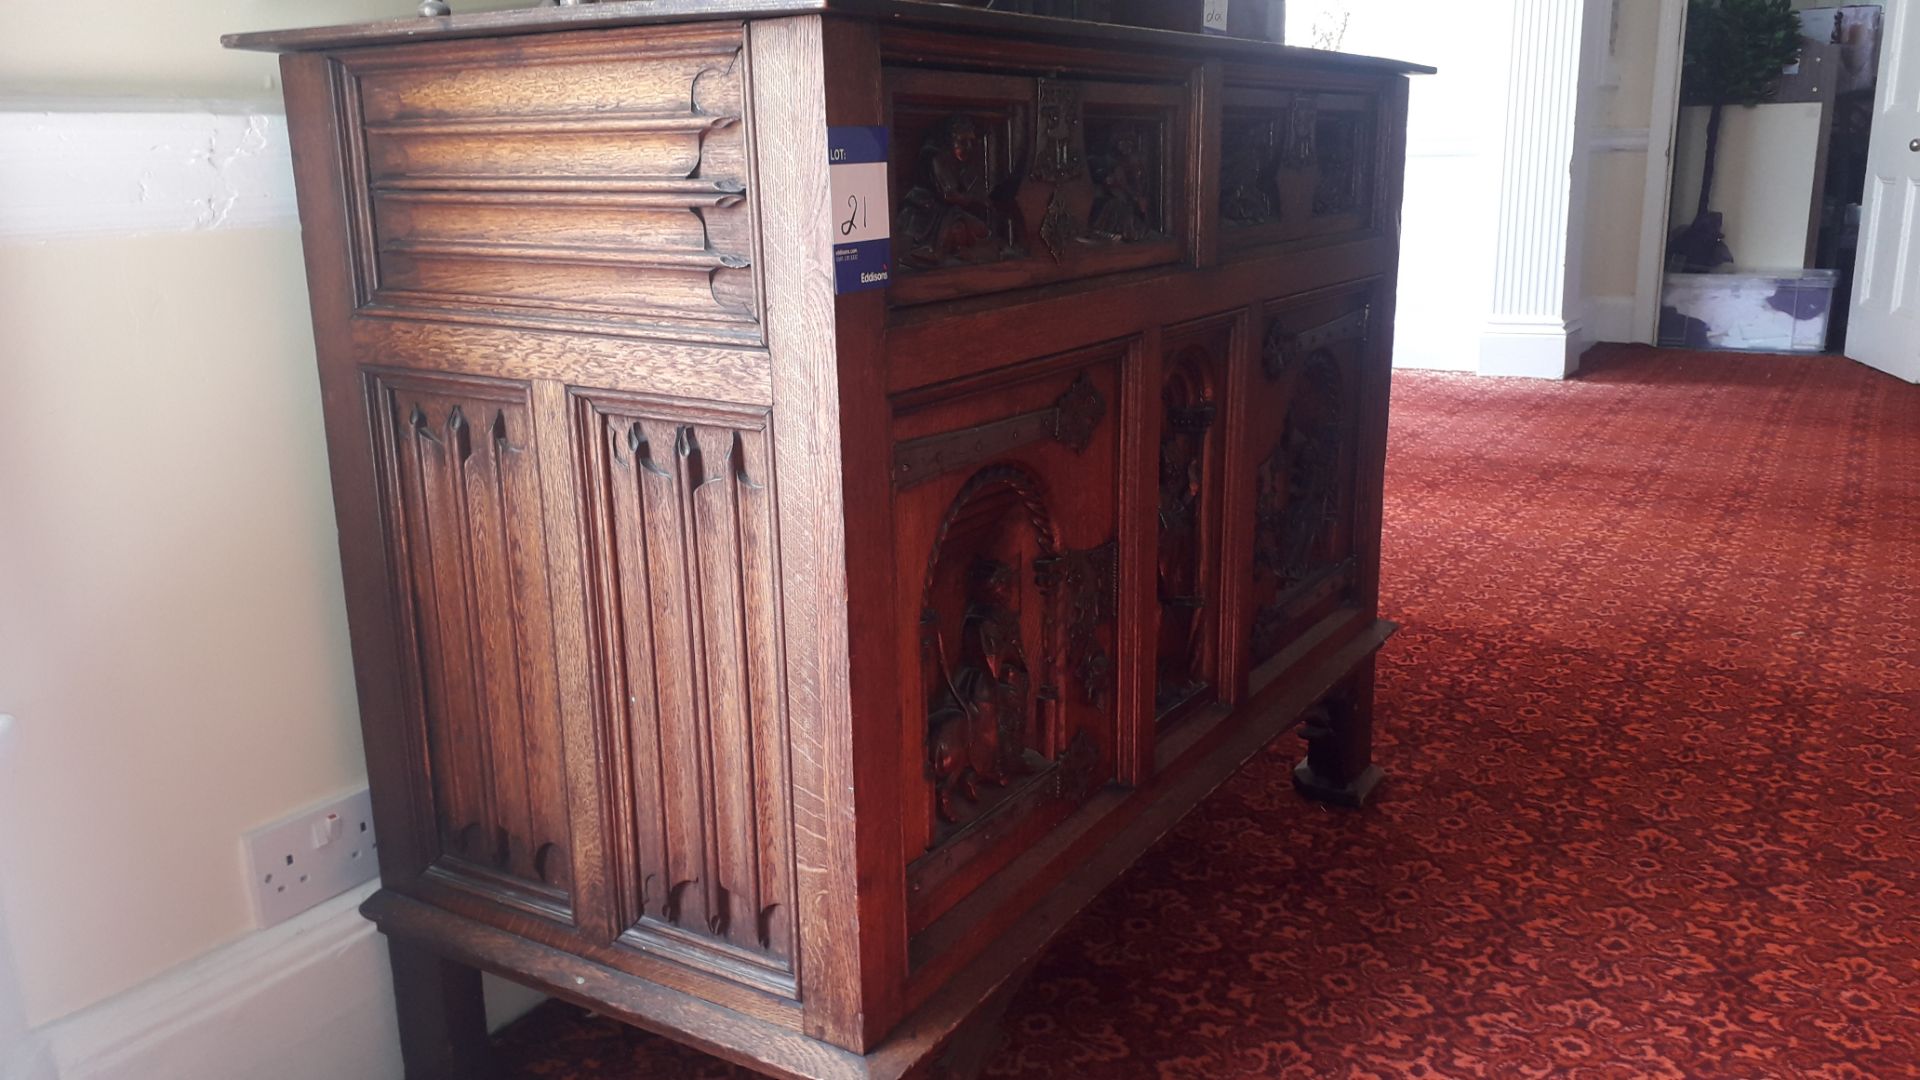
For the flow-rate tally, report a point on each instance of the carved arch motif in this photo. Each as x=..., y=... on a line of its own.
x=984, y=631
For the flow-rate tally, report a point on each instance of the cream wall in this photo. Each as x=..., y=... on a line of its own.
x=165, y=48
x=1623, y=110
x=1763, y=178
x=172, y=636
x=172, y=639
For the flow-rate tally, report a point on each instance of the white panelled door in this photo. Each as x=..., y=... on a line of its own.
x=1884, y=331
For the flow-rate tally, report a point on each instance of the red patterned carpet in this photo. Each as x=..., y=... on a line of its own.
x=1652, y=735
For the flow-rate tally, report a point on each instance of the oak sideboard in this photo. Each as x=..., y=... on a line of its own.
x=823, y=485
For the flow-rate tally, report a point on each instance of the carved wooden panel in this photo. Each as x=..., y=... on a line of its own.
x=682, y=559
x=1192, y=433
x=561, y=182
x=1003, y=181
x=1007, y=571
x=1296, y=164
x=462, y=508
x=1303, y=441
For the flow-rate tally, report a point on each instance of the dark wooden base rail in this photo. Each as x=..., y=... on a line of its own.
x=780, y=670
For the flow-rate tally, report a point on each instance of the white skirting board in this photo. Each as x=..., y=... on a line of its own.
x=307, y=1000
x=1531, y=349
x=1611, y=318
x=311, y=999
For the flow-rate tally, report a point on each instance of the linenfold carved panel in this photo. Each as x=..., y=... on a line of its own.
x=462, y=504
x=682, y=563
x=562, y=182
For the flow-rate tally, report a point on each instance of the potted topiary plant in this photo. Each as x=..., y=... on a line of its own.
x=1736, y=53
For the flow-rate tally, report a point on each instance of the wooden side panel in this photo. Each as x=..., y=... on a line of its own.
x=465, y=524
x=683, y=565
x=580, y=178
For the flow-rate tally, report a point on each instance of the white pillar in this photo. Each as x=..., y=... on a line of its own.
x=1534, y=327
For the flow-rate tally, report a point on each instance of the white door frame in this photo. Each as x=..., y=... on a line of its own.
x=1656, y=197
x=1892, y=88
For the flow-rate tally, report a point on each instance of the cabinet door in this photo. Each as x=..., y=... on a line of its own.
x=681, y=565
x=1006, y=530
x=1303, y=440
x=462, y=500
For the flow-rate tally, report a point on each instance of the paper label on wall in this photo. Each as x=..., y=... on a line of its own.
x=1214, y=17
x=862, y=248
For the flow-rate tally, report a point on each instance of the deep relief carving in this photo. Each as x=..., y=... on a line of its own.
x=1298, y=492
x=1189, y=415
x=1005, y=618
x=1126, y=179
x=1059, y=174
x=1305, y=158
x=1337, y=188
x=1059, y=159
x=976, y=726
x=465, y=524
x=683, y=564
x=1081, y=587
x=1303, y=128
x=984, y=727
x=1072, y=421
x=1247, y=159
x=956, y=212
x=1059, y=153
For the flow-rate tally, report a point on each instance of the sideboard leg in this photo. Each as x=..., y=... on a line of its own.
x=970, y=1050
x=443, y=1018
x=1339, y=766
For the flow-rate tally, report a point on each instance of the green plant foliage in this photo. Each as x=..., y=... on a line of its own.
x=1736, y=50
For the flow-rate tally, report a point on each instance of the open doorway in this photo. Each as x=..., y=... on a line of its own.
x=1769, y=173
x=1826, y=168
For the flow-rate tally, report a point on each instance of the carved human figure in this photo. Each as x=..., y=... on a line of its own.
x=1180, y=475
x=948, y=216
x=977, y=719
x=1245, y=165
x=1123, y=209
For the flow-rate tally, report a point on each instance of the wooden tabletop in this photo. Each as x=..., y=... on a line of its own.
x=546, y=19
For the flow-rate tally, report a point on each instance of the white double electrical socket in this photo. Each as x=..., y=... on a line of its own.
x=310, y=858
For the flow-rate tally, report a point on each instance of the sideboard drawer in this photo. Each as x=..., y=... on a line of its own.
x=1298, y=163
x=559, y=182
x=1006, y=181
